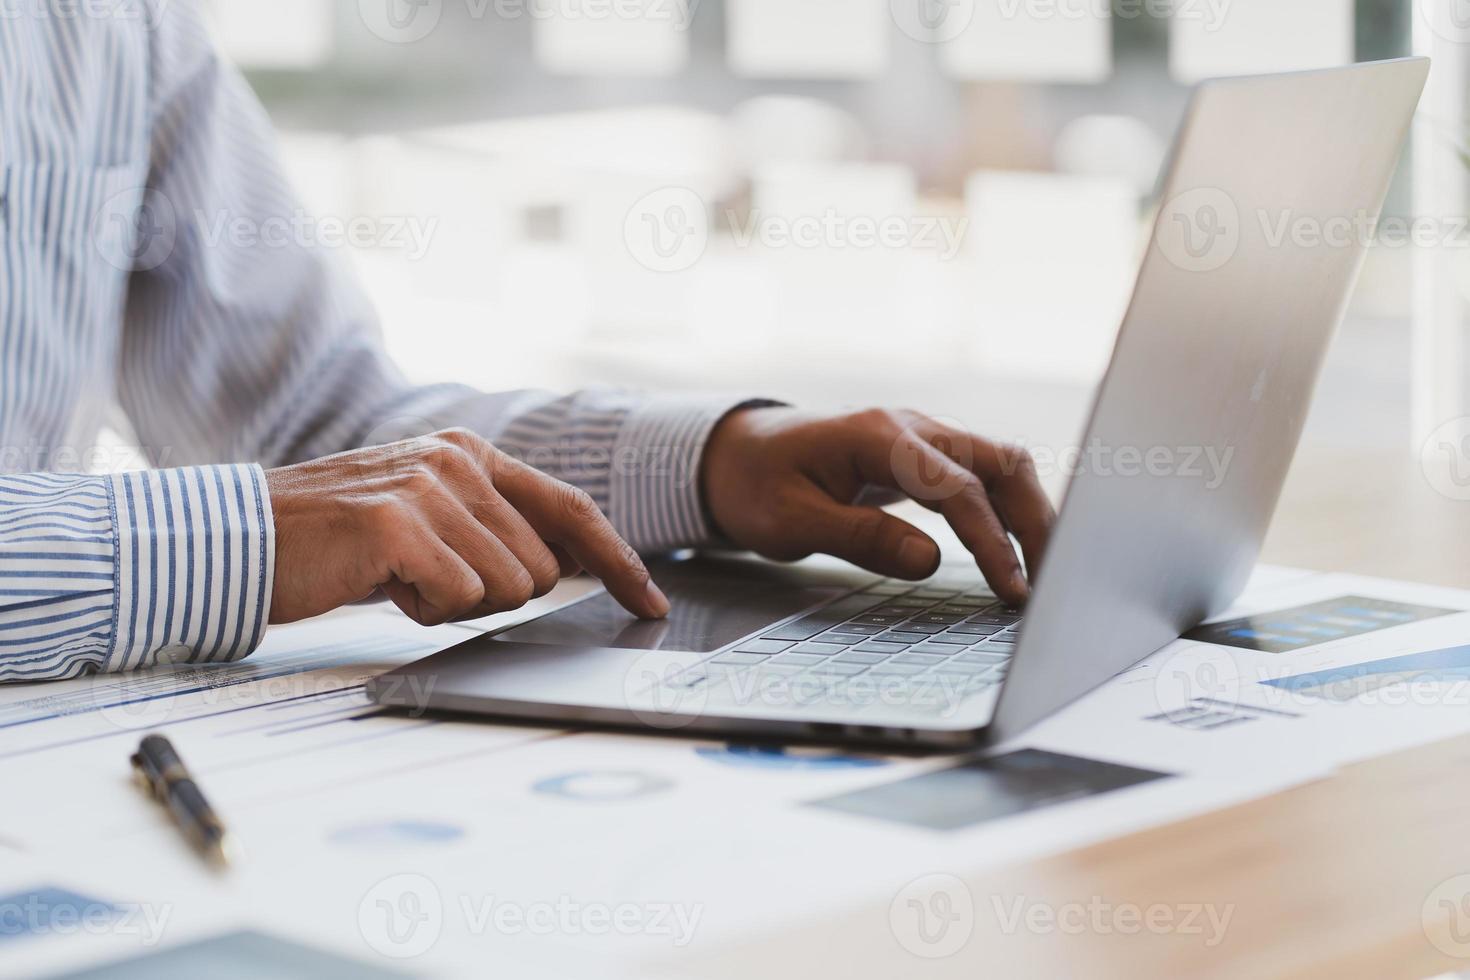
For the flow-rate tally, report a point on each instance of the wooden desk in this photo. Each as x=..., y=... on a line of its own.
x=1340, y=878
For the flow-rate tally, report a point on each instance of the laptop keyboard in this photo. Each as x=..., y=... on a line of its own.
x=893, y=630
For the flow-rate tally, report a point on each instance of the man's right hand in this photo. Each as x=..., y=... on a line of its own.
x=447, y=526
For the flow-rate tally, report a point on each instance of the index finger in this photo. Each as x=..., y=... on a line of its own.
x=1015, y=488
x=568, y=516
x=904, y=458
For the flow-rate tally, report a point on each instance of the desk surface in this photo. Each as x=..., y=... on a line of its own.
x=1366, y=874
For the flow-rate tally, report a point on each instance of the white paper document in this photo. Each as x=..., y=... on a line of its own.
x=415, y=845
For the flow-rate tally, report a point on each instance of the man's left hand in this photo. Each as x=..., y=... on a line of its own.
x=787, y=485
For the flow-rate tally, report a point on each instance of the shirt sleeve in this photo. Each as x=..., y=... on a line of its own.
x=101, y=573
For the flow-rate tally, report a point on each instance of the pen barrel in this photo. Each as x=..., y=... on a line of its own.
x=194, y=814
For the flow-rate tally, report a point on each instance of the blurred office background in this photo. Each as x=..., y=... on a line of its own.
x=937, y=203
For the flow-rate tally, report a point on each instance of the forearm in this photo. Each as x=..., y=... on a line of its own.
x=108, y=573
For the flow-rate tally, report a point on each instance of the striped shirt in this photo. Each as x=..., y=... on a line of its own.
x=123, y=140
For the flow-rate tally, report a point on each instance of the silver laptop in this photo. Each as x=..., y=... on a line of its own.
x=1253, y=256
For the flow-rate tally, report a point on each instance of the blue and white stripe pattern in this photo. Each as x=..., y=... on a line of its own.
x=123, y=139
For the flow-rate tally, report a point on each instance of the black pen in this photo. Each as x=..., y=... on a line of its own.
x=161, y=772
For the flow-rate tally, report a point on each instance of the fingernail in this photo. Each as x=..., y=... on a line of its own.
x=1019, y=583
x=658, y=603
x=918, y=553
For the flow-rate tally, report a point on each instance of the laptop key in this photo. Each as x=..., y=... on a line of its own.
x=843, y=670
x=843, y=639
x=817, y=649
x=939, y=619
x=973, y=657
x=917, y=658
x=872, y=619
x=953, y=639
x=740, y=659
x=874, y=646
x=894, y=669
x=972, y=629
x=867, y=629
x=798, y=659
x=954, y=667
x=913, y=626
x=856, y=657
x=886, y=588
x=825, y=618
x=936, y=649
x=894, y=636
x=767, y=646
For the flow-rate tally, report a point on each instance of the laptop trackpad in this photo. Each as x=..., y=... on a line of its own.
x=715, y=602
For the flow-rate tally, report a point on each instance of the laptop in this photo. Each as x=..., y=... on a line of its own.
x=1253, y=255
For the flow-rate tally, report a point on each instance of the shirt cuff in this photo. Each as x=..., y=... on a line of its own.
x=195, y=559
x=655, y=499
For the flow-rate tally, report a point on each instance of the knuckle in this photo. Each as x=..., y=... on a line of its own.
x=447, y=458
x=864, y=530
x=458, y=436
x=470, y=594
x=628, y=557
x=420, y=477
x=578, y=504
x=1015, y=459
x=382, y=513
x=514, y=591
x=545, y=575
